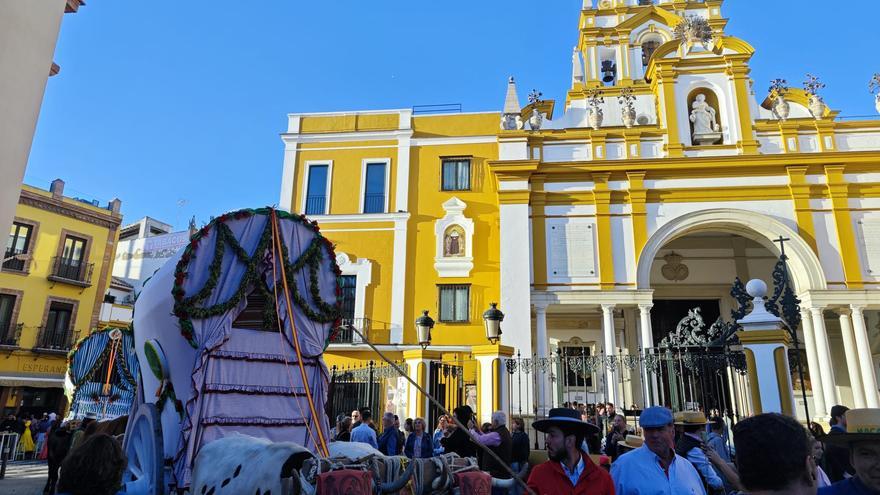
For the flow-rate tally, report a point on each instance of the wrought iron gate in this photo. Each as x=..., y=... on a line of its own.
x=446, y=384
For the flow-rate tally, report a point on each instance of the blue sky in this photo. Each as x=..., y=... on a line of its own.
x=176, y=107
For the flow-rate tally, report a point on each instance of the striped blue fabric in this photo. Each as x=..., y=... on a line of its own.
x=87, y=397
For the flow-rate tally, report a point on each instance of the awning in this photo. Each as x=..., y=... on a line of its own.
x=28, y=380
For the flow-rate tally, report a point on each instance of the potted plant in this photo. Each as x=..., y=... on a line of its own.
x=874, y=88
x=778, y=89
x=811, y=87
x=535, y=119
x=627, y=107
x=595, y=101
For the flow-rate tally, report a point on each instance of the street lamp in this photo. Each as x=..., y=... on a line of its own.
x=424, y=324
x=493, y=317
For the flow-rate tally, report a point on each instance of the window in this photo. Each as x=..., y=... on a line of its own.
x=456, y=174
x=374, y=188
x=316, y=190
x=7, y=305
x=72, y=256
x=648, y=48
x=56, y=334
x=454, y=303
x=17, y=245
x=576, y=373
x=348, y=284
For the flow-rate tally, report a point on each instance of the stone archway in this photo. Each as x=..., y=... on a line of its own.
x=805, y=269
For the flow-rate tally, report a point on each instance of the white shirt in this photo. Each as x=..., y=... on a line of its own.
x=639, y=472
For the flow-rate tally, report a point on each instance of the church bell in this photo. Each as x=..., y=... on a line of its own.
x=609, y=69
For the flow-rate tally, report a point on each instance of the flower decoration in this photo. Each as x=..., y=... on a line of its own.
x=778, y=87
x=812, y=85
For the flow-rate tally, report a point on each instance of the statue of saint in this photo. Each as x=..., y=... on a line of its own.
x=453, y=244
x=703, y=117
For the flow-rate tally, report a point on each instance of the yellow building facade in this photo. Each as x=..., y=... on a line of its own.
x=56, y=270
x=666, y=175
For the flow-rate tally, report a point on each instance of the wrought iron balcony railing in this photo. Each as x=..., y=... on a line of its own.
x=70, y=272
x=55, y=339
x=14, y=259
x=343, y=334
x=10, y=334
x=374, y=203
x=316, y=205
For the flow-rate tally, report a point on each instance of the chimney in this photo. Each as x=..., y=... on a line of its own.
x=57, y=188
x=115, y=206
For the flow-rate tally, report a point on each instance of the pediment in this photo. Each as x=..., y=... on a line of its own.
x=653, y=14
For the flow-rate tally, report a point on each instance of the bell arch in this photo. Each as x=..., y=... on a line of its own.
x=804, y=266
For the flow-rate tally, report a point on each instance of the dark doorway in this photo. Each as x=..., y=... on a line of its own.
x=668, y=312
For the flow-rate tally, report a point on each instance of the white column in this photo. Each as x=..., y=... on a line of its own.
x=866, y=360
x=487, y=387
x=541, y=350
x=610, y=349
x=288, y=174
x=516, y=292
x=646, y=342
x=413, y=393
x=852, y=360
x=826, y=372
x=819, y=407
x=398, y=278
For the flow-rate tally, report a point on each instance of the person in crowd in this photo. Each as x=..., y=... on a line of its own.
x=774, y=456
x=408, y=427
x=568, y=469
x=41, y=428
x=818, y=449
x=655, y=467
x=389, y=441
x=344, y=430
x=365, y=432
x=26, y=442
x=817, y=431
x=836, y=461
x=619, y=431
x=93, y=468
x=716, y=438
x=57, y=448
x=334, y=432
x=81, y=431
x=10, y=423
x=630, y=443
x=401, y=437
x=355, y=418
x=458, y=441
x=520, y=450
x=862, y=441
x=497, y=437
x=440, y=432
x=690, y=446
x=418, y=443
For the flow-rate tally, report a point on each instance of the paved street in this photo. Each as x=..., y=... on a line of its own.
x=24, y=478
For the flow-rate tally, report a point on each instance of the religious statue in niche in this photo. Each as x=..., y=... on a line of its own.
x=674, y=270
x=453, y=242
x=705, y=124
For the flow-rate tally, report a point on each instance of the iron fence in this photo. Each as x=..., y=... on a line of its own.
x=355, y=387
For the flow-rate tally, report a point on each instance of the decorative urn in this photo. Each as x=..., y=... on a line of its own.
x=781, y=108
x=535, y=119
x=627, y=109
x=811, y=87
x=874, y=88
x=594, y=101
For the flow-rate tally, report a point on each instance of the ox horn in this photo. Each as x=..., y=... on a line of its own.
x=396, y=486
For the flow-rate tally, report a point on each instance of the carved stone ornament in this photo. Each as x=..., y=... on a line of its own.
x=694, y=31
x=454, y=241
x=595, y=101
x=511, y=122
x=874, y=88
x=781, y=108
x=627, y=108
x=535, y=119
x=703, y=116
x=674, y=270
x=816, y=105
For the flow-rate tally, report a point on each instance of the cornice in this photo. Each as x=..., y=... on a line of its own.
x=69, y=210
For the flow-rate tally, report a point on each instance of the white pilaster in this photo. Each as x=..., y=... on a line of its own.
x=487, y=387
x=646, y=342
x=819, y=407
x=610, y=349
x=852, y=360
x=541, y=350
x=413, y=393
x=826, y=372
x=288, y=176
x=515, y=294
x=398, y=280
x=866, y=360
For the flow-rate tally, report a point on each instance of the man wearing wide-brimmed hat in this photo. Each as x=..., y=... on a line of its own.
x=631, y=442
x=569, y=470
x=655, y=467
x=690, y=446
x=862, y=437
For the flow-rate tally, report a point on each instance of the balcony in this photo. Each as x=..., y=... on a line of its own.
x=14, y=259
x=376, y=332
x=10, y=334
x=55, y=340
x=316, y=205
x=374, y=203
x=111, y=312
x=73, y=273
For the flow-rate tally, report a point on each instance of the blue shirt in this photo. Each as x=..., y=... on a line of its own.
x=365, y=434
x=851, y=486
x=388, y=442
x=575, y=475
x=698, y=458
x=639, y=472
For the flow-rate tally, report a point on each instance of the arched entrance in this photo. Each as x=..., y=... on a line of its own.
x=690, y=264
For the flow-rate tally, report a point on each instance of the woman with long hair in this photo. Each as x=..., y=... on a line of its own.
x=93, y=468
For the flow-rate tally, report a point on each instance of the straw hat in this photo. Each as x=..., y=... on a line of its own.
x=690, y=418
x=862, y=425
x=632, y=442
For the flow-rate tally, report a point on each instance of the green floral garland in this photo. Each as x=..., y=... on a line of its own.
x=168, y=393
x=187, y=308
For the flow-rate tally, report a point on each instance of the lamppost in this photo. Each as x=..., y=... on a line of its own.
x=493, y=317
x=424, y=324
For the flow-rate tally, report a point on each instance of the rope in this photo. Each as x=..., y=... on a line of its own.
x=281, y=344
x=302, y=369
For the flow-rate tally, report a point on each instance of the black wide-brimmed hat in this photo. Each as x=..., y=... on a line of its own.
x=862, y=425
x=565, y=418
